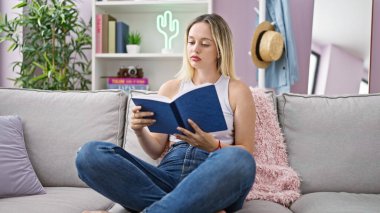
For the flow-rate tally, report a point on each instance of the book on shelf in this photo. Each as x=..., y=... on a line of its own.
x=128, y=87
x=101, y=36
x=122, y=32
x=111, y=36
x=118, y=80
x=200, y=104
x=127, y=84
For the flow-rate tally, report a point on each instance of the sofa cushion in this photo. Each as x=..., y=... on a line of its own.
x=57, y=123
x=57, y=200
x=253, y=206
x=333, y=142
x=262, y=206
x=333, y=202
x=17, y=177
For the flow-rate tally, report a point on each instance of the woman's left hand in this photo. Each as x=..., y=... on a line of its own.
x=199, y=138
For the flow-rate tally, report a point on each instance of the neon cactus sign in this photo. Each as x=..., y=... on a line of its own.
x=168, y=27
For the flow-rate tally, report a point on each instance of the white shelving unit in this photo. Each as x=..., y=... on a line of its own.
x=141, y=16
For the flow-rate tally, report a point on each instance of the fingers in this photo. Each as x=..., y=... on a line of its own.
x=198, y=139
x=188, y=136
x=141, y=119
x=192, y=141
x=142, y=114
x=195, y=126
x=181, y=137
x=141, y=123
x=136, y=109
x=185, y=131
x=137, y=114
x=185, y=136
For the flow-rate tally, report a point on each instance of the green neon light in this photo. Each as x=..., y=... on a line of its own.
x=166, y=25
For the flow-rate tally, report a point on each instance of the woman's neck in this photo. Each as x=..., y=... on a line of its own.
x=201, y=77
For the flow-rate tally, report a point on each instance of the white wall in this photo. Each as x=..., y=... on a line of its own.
x=6, y=58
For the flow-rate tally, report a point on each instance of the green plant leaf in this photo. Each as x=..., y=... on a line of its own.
x=134, y=38
x=20, y=5
x=53, y=46
x=12, y=47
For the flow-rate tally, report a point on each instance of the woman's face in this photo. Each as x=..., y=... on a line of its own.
x=201, y=48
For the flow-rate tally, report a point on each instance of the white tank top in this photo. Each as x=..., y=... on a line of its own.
x=226, y=136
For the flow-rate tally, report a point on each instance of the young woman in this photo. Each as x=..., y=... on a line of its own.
x=201, y=172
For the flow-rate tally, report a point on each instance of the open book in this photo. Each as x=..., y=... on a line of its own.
x=200, y=104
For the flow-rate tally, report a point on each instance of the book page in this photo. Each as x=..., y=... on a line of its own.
x=154, y=97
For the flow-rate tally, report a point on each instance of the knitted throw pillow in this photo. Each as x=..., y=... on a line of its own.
x=275, y=180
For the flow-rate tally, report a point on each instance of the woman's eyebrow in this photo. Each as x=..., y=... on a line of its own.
x=191, y=37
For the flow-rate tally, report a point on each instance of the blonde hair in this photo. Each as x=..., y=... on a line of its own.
x=222, y=36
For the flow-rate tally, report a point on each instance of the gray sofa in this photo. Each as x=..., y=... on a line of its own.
x=332, y=142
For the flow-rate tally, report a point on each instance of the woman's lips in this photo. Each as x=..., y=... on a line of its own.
x=195, y=58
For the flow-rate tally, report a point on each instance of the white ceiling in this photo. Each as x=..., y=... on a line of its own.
x=344, y=23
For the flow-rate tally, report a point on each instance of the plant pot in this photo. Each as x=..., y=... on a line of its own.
x=133, y=48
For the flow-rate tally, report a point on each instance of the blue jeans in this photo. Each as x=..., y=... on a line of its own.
x=188, y=179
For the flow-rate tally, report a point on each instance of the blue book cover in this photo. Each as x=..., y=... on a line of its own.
x=200, y=105
x=128, y=87
x=122, y=31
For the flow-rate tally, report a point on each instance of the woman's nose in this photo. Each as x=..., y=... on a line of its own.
x=196, y=48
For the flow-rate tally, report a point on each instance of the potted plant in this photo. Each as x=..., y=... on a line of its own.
x=134, y=41
x=53, y=43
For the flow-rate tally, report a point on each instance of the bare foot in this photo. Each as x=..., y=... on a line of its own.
x=95, y=211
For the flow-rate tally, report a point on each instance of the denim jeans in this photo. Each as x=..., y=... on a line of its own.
x=188, y=179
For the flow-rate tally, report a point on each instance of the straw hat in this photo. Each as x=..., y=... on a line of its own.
x=267, y=45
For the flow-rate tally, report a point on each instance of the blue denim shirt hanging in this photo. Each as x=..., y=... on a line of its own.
x=281, y=74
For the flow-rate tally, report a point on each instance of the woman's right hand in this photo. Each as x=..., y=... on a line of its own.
x=139, y=120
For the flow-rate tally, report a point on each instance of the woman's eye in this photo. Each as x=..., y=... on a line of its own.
x=191, y=42
x=205, y=45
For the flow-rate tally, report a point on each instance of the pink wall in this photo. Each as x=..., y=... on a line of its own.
x=345, y=68
x=374, y=81
x=323, y=69
x=302, y=19
x=316, y=47
x=339, y=72
x=242, y=27
x=85, y=7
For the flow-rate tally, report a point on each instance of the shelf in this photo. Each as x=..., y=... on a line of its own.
x=152, y=6
x=141, y=16
x=138, y=56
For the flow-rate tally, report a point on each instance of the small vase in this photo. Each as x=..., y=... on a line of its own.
x=133, y=48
